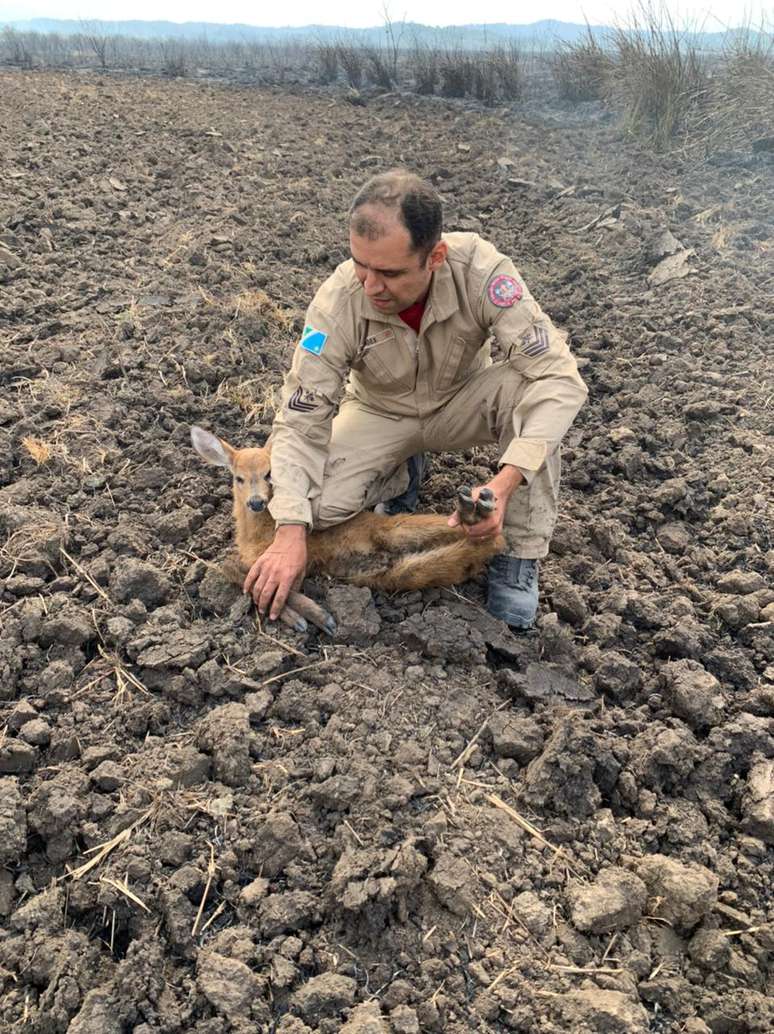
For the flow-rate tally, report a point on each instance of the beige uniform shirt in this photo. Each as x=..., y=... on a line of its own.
x=347, y=343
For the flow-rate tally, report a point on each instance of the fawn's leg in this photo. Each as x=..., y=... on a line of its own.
x=297, y=611
x=412, y=532
x=440, y=566
x=311, y=611
x=426, y=531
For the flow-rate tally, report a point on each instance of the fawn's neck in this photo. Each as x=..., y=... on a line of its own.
x=252, y=528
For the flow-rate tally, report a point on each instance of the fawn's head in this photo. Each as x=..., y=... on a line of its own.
x=250, y=468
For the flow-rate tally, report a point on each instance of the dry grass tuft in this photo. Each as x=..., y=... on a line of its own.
x=490, y=76
x=39, y=450
x=743, y=93
x=583, y=71
x=256, y=303
x=659, y=79
x=256, y=399
x=668, y=90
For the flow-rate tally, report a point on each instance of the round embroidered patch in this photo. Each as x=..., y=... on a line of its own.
x=504, y=291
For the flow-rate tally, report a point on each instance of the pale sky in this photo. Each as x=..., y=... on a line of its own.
x=712, y=15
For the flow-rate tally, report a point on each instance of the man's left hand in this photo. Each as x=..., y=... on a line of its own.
x=502, y=486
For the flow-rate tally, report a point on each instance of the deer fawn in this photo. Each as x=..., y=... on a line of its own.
x=400, y=553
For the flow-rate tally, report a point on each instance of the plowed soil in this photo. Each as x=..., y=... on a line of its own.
x=426, y=823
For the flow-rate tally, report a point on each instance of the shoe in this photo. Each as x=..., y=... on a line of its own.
x=406, y=503
x=513, y=590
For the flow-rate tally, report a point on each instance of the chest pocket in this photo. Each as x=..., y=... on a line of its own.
x=386, y=361
x=457, y=357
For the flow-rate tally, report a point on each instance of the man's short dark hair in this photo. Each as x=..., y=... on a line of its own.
x=413, y=200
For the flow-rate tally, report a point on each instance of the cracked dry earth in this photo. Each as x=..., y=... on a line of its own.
x=425, y=824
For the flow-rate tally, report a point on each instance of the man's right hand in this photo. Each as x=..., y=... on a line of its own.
x=278, y=570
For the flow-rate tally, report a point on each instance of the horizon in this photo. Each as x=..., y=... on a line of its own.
x=722, y=15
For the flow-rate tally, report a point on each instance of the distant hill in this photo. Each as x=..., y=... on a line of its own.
x=546, y=33
x=479, y=34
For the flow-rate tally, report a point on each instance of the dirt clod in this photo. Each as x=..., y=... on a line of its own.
x=682, y=894
x=613, y=901
x=610, y=1011
x=324, y=995
x=758, y=803
x=135, y=579
x=228, y=984
x=225, y=735
x=366, y=1019
x=693, y=693
x=13, y=822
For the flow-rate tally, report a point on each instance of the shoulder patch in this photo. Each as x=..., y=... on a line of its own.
x=504, y=291
x=313, y=340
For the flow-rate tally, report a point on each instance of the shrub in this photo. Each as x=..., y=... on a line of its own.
x=327, y=60
x=351, y=60
x=379, y=67
x=424, y=63
x=743, y=90
x=483, y=79
x=508, y=67
x=16, y=48
x=582, y=71
x=659, y=79
x=456, y=72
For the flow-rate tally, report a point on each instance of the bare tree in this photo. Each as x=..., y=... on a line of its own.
x=394, y=38
x=98, y=40
x=16, y=48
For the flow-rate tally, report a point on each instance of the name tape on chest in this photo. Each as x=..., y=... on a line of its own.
x=380, y=338
x=504, y=291
x=313, y=340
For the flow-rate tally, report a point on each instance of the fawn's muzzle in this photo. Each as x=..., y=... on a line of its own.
x=256, y=504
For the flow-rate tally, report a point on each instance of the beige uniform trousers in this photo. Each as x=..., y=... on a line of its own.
x=368, y=449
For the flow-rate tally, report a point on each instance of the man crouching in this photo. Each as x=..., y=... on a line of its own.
x=394, y=361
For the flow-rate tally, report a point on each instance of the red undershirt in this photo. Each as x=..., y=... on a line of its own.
x=413, y=315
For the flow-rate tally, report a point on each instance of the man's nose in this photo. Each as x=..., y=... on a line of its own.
x=373, y=284
x=256, y=504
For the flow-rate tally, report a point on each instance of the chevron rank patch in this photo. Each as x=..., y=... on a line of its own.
x=302, y=401
x=313, y=340
x=536, y=342
x=504, y=291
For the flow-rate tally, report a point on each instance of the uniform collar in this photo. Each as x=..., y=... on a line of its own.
x=442, y=300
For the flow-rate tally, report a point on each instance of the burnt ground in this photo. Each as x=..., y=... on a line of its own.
x=425, y=824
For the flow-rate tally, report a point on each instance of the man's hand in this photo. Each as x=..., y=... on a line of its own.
x=502, y=485
x=278, y=570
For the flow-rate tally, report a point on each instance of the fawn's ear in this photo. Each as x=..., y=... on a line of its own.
x=211, y=448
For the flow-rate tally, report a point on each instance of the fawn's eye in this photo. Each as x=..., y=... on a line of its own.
x=268, y=476
x=238, y=479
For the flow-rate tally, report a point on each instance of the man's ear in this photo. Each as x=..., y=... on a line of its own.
x=211, y=448
x=437, y=256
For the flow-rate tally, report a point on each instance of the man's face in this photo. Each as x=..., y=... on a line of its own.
x=393, y=276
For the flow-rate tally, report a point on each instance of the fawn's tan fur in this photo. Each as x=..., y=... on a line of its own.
x=395, y=554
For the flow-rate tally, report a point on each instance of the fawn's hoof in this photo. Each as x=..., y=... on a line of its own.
x=304, y=611
x=471, y=510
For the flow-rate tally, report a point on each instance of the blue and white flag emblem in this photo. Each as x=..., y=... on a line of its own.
x=313, y=340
